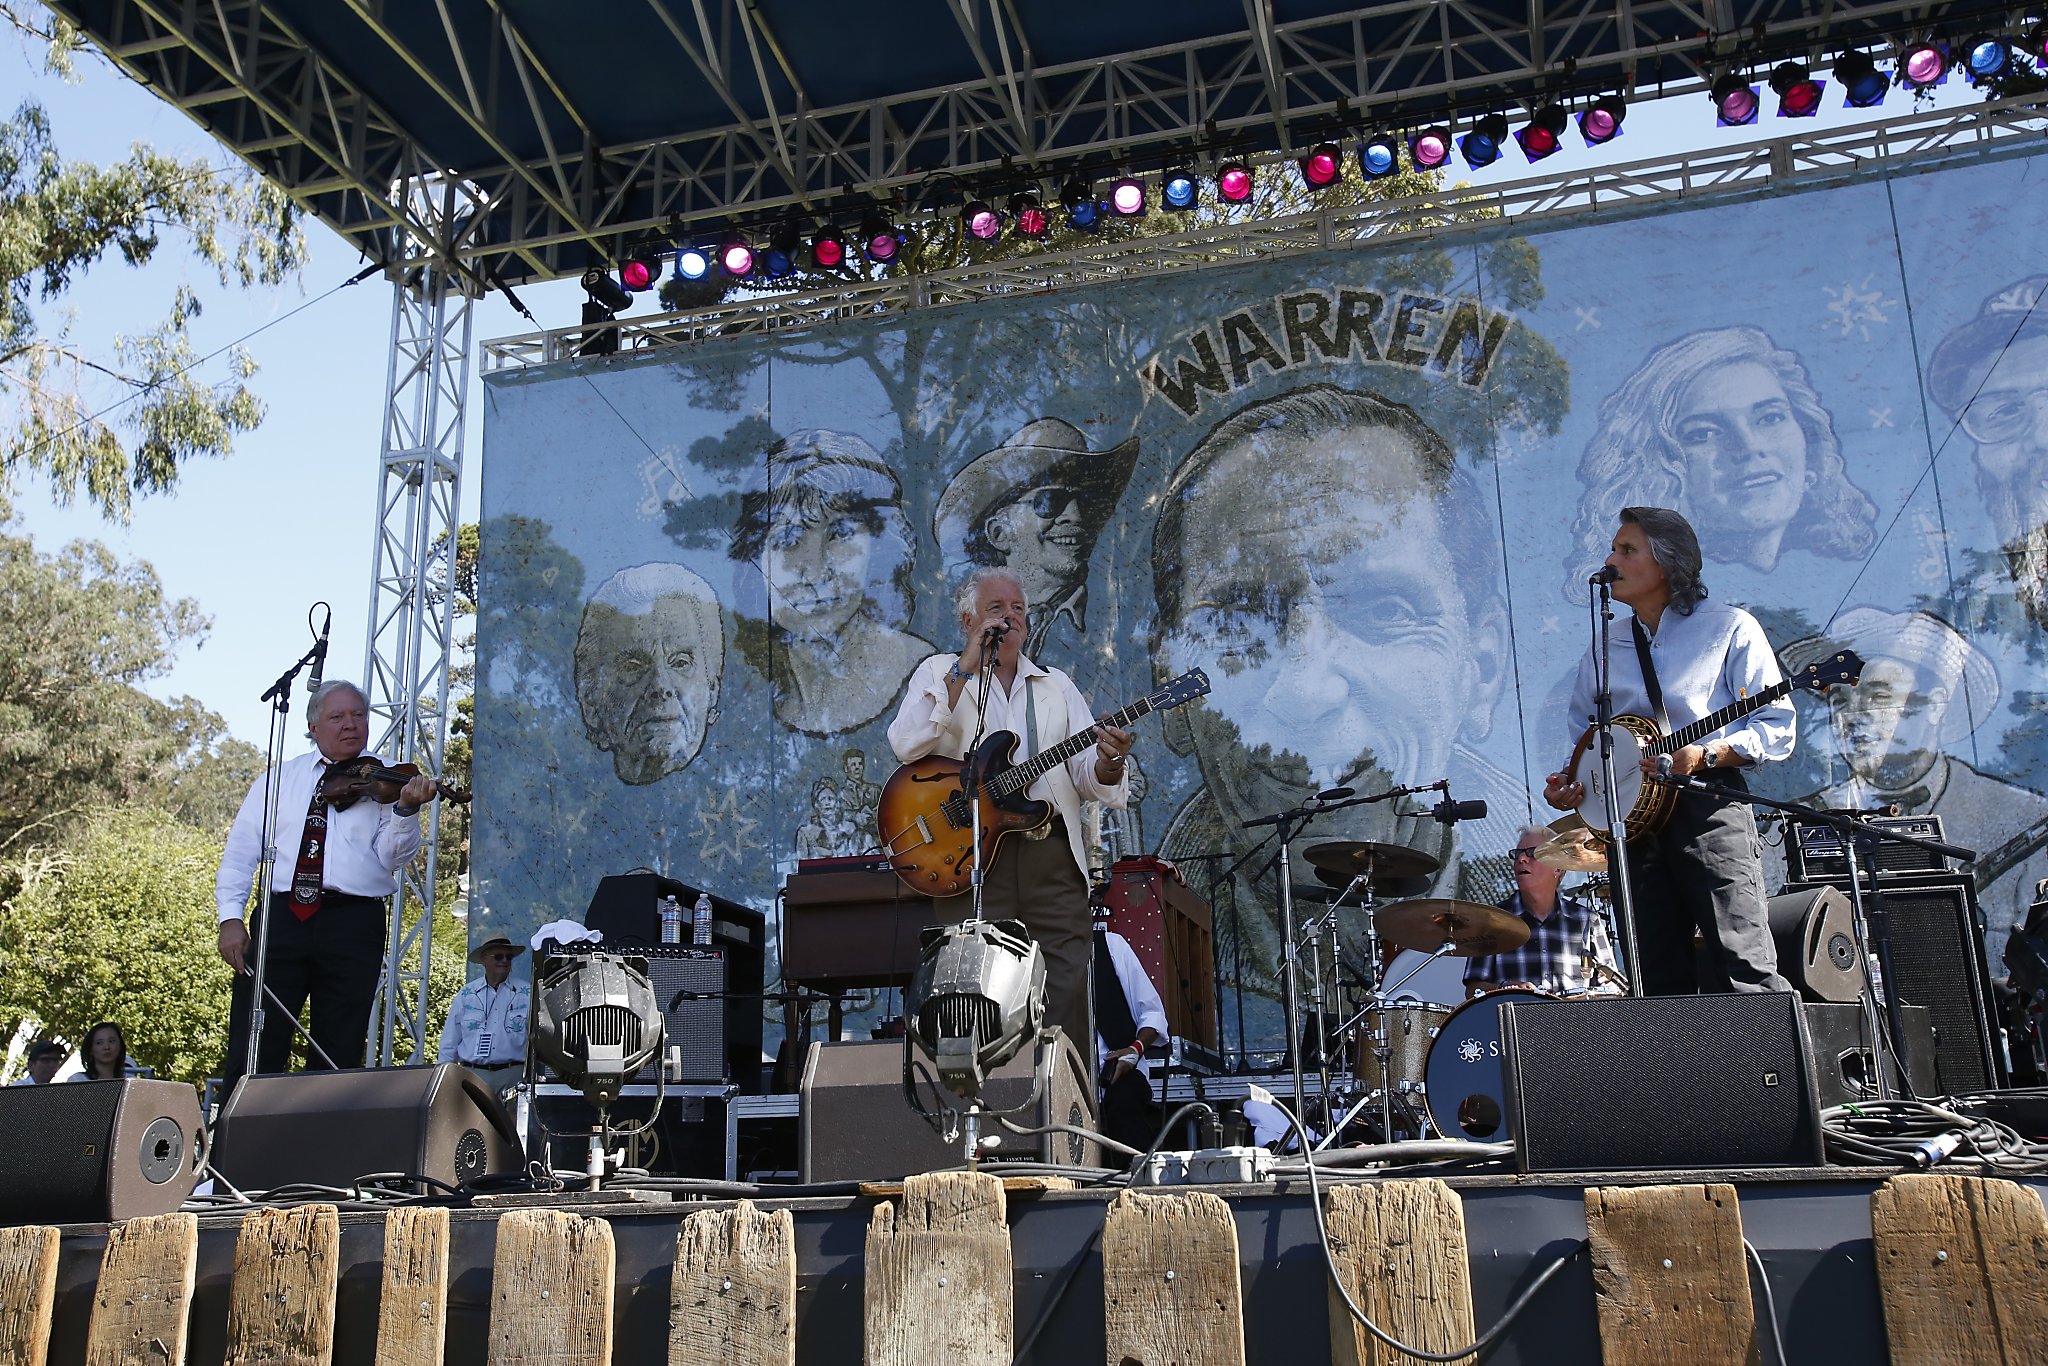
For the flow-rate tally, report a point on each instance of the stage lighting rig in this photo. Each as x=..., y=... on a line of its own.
x=1127, y=197
x=1481, y=146
x=736, y=255
x=1234, y=182
x=1798, y=92
x=1986, y=57
x=1027, y=211
x=981, y=220
x=1179, y=190
x=1735, y=100
x=977, y=997
x=693, y=263
x=1084, y=210
x=1321, y=166
x=1430, y=148
x=1863, y=85
x=1544, y=133
x=1602, y=120
x=1923, y=64
x=828, y=249
x=880, y=241
x=779, y=261
x=641, y=269
x=1379, y=155
x=604, y=290
x=596, y=1022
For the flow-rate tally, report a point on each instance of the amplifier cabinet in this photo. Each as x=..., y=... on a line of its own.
x=1816, y=853
x=854, y=928
x=696, y=1022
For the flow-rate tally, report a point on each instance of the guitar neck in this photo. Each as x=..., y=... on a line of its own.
x=1707, y=725
x=1023, y=775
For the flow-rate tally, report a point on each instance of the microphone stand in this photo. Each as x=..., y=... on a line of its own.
x=1872, y=923
x=279, y=695
x=971, y=784
x=1617, y=823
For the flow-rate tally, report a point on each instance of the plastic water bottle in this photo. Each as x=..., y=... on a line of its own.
x=700, y=920
x=671, y=921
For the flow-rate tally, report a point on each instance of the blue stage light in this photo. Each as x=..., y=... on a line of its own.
x=693, y=263
x=1379, y=155
x=1179, y=189
x=1482, y=145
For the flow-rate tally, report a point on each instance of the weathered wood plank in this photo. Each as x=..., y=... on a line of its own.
x=1170, y=1286
x=1669, y=1275
x=142, y=1304
x=412, y=1299
x=1962, y=1268
x=28, y=1293
x=732, y=1299
x=551, y=1290
x=938, y=1275
x=281, y=1304
x=1401, y=1249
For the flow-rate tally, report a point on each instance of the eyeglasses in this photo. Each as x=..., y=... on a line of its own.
x=1051, y=501
x=500, y=957
x=2003, y=414
x=1517, y=855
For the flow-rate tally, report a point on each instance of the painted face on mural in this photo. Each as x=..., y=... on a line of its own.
x=1323, y=600
x=1042, y=538
x=2007, y=416
x=1888, y=727
x=819, y=571
x=1744, y=451
x=647, y=683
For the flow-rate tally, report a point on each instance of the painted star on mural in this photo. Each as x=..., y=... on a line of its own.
x=724, y=833
x=1857, y=306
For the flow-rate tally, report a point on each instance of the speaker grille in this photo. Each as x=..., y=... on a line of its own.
x=1938, y=962
x=697, y=1023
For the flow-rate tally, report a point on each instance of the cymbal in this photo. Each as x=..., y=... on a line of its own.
x=1578, y=852
x=1338, y=862
x=1473, y=930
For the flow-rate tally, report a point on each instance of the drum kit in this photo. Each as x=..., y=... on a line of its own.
x=1424, y=1057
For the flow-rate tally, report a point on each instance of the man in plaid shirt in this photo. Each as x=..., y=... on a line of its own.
x=1554, y=959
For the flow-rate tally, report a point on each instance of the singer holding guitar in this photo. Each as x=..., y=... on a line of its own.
x=324, y=908
x=1700, y=870
x=1040, y=877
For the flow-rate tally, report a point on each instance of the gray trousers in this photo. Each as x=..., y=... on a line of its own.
x=1035, y=881
x=1703, y=873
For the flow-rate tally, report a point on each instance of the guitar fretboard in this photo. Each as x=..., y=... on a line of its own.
x=1708, y=724
x=1025, y=774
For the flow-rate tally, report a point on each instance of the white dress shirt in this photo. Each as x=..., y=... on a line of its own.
x=927, y=723
x=366, y=844
x=1139, y=993
x=486, y=1025
x=1706, y=661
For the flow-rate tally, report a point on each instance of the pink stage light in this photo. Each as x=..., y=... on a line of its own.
x=1234, y=183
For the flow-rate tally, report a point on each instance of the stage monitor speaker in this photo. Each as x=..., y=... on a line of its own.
x=89, y=1152
x=1938, y=962
x=1842, y=1062
x=854, y=1124
x=1817, y=944
x=333, y=1128
x=1621, y=1083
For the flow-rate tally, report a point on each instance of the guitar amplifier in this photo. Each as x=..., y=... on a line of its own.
x=1816, y=853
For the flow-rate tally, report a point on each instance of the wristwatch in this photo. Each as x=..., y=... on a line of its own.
x=1712, y=762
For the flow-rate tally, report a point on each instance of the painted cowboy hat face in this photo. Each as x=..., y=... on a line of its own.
x=1034, y=504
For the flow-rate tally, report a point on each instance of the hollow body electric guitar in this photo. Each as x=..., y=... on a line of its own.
x=926, y=818
x=1646, y=806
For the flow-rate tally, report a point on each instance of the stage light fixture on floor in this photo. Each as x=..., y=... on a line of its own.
x=1735, y=101
x=1602, y=122
x=1986, y=56
x=1321, y=166
x=1481, y=146
x=1379, y=156
x=978, y=996
x=693, y=263
x=1923, y=65
x=1027, y=211
x=828, y=249
x=1430, y=148
x=1544, y=133
x=601, y=287
x=879, y=240
x=1234, y=182
x=1127, y=197
x=981, y=220
x=1179, y=190
x=736, y=256
x=1798, y=91
x=1863, y=85
x=1084, y=210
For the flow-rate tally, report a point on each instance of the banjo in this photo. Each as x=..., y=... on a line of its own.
x=1645, y=807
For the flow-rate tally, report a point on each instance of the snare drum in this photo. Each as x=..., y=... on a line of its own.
x=1408, y=1031
x=1463, y=1085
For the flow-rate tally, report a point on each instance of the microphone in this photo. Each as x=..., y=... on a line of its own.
x=1448, y=812
x=320, y=654
x=997, y=630
x=1663, y=765
x=1607, y=573
x=1336, y=794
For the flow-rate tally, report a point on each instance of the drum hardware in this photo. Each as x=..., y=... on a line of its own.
x=1461, y=929
x=1463, y=1084
x=1581, y=851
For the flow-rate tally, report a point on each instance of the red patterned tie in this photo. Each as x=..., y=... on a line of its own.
x=312, y=853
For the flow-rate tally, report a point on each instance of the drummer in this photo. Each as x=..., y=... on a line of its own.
x=1568, y=952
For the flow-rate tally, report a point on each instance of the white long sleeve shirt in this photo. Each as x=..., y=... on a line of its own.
x=1139, y=994
x=1709, y=660
x=927, y=723
x=486, y=1025
x=367, y=844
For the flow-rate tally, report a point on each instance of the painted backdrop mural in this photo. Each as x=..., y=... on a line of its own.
x=1362, y=490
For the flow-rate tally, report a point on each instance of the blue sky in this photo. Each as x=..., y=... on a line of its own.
x=289, y=518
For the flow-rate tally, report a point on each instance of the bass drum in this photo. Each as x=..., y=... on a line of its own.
x=1462, y=1080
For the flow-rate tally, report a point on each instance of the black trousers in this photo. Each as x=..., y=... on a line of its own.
x=333, y=959
x=1703, y=874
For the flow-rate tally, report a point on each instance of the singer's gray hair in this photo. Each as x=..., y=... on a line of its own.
x=970, y=587
x=1541, y=832
x=1674, y=546
x=326, y=690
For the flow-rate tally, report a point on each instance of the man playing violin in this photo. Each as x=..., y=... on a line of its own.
x=1701, y=871
x=1039, y=877
x=337, y=862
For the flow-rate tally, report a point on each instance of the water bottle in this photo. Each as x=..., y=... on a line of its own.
x=700, y=920
x=671, y=921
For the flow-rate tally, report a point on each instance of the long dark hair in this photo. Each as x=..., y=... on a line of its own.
x=92, y=1067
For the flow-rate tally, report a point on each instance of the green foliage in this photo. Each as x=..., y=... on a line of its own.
x=121, y=927
x=79, y=631
x=60, y=218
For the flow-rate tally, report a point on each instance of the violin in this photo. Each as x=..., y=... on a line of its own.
x=365, y=777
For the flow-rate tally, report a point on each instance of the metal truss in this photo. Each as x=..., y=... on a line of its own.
x=412, y=580
x=2012, y=128
x=555, y=186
